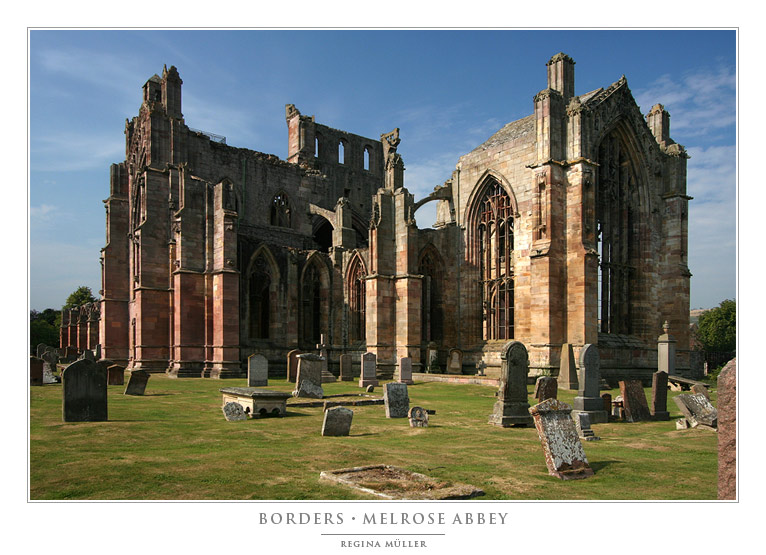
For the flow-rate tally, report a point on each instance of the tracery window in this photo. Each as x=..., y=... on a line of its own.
x=495, y=236
x=356, y=301
x=311, y=305
x=260, y=298
x=432, y=314
x=280, y=210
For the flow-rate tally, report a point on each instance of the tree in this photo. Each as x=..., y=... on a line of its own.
x=82, y=295
x=44, y=327
x=717, y=328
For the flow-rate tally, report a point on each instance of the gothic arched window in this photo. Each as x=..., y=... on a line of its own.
x=431, y=309
x=280, y=210
x=356, y=301
x=260, y=298
x=495, y=245
x=311, y=305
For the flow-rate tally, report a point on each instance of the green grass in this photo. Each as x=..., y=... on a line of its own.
x=174, y=443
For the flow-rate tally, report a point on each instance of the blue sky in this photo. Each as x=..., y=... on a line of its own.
x=447, y=91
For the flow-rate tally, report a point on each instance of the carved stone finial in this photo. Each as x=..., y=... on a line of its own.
x=291, y=111
x=666, y=327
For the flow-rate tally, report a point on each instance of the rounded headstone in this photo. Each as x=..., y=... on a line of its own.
x=418, y=417
x=370, y=388
x=234, y=412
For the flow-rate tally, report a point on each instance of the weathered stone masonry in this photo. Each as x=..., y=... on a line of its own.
x=567, y=226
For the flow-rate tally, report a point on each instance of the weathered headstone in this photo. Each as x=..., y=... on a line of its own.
x=346, y=368
x=697, y=410
x=337, y=421
x=115, y=375
x=568, y=369
x=727, y=431
x=87, y=354
x=588, y=397
x=405, y=370
x=308, y=383
x=634, y=401
x=41, y=347
x=137, y=382
x=35, y=371
x=292, y=365
x=512, y=407
x=582, y=425
x=564, y=454
x=396, y=399
x=432, y=360
x=418, y=417
x=607, y=398
x=455, y=362
x=257, y=370
x=84, y=392
x=660, y=396
x=701, y=389
x=234, y=412
x=370, y=388
x=369, y=370
x=50, y=364
x=546, y=387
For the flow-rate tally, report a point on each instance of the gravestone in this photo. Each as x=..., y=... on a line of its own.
x=346, y=368
x=666, y=351
x=418, y=417
x=292, y=365
x=97, y=352
x=588, y=397
x=308, y=382
x=234, y=412
x=607, y=398
x=432, y=360
x=115, y=375
x=568, y=369
x=727, y=431
x=405, y=370
x=337, y=421
x=257, y=370
x=84, y=392
x=701, y=389
x=137, y=382
x=370, y=388
x=327, y=376
x=396, y=399
x=546, y=388
x=582, y=425
x=70, y=354
x=50, y=362
x=41, y=347
x=660, y=396
x=87, y=354
x=697, y=410
x=369, y=370
x=634, y=401
x=564, y=454
x=35, y=371
x=455, y=362
x=511, y=407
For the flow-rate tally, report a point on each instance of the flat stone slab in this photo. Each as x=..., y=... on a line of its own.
x=256, y=401
x=338, y=400
x=391, y=482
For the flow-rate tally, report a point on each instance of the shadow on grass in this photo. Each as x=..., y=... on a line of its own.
x=599, y=465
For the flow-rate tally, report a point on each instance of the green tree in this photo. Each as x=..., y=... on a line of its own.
x=717, y=328
x=44, y=327
x=82, y=295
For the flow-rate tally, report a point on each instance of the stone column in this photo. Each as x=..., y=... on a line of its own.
x=666, y=352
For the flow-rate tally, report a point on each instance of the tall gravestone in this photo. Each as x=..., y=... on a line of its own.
x=50, y=363
x=369, y=370
x=405, y=370
x=35, y=371
x=567, y=369
x=257, y=370
x=660, y=396
x=346, y=368
x=727, y=431
x=588, y=397
x=137, y=383
x=308, y=382
x=634, y=401
x=292, y=365
x=666, y=351
x=115, y=375
x=564, y=454
x=84, y=392
x=511, y=407
x=546, y=387
x=455, y=362
x=396, y=399
x=432, y=360
x=337, y=421
x=41, y=347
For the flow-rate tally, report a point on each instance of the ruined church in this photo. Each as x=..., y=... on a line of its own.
x=568, y=226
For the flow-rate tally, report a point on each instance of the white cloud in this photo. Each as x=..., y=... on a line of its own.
x=70, y=151
x=44, y=212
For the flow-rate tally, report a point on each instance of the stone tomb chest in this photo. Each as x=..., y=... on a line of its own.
x=257, y=401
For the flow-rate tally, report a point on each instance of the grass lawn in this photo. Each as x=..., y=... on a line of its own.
x=174, y=443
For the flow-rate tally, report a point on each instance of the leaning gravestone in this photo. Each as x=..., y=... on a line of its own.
x=697, y=410
x=396, y=399
x=35, y=371
x=337, y=421
x=701, y=389
x=346, y=368
x=660, y=396
x=567, y=369
x=546, y=388
x=405, y=370
x=588, y=397
x=634, y=401
x=455, y=362
x=137, y=382
x=84, y=392
x=369, y=370
x=292, y=365
x=308, y=382
x=564, y=455
x=727, y=431
x=418, y=417
x=511, y=407
x=234, y=412
x=257, y=370
x=115, y=375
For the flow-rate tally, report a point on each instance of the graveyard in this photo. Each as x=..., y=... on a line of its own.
x=174, y=443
